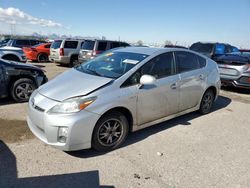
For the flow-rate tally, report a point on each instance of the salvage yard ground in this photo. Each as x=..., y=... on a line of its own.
x=189, y=151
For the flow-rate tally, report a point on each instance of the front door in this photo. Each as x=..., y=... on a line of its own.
x=159, y=100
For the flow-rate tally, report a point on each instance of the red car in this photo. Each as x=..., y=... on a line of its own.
x=38, y=52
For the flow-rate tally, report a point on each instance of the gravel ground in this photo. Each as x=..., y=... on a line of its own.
x=189, y=151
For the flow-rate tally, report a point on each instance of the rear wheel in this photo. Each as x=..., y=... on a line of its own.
x=22, y=89
x=207, y=102
x=73, y=61
x=42, y=58
x=110, y=132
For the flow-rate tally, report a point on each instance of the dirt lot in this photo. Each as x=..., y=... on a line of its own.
x=189, y=151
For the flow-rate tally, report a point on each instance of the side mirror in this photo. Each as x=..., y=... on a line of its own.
x=147, y=80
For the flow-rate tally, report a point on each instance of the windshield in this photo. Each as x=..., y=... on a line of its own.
x=111, y=64
x=56, y=44
x=88, y=45
x=202, y=48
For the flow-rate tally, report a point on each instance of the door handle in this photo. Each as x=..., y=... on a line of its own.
x=173, y=86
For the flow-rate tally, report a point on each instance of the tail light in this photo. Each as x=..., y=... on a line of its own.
x=96, y=52
x=61, y=52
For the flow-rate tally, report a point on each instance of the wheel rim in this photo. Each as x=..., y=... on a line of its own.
x=110, y=132
x=23, y=91
x=207, y=101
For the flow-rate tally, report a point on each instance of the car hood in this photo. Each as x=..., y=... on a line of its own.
x=21, y=65
x=72, y=83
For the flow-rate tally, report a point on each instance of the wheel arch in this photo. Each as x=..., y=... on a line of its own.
x=125, y=111
x=214, y=90
x=15, y=78
x=9, y=55
x=41, y=53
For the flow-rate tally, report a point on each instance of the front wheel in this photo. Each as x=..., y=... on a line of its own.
x=110, y=132
x=22, y=89
x=207, y=102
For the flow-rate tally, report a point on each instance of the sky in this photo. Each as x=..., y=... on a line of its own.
x=152, y=21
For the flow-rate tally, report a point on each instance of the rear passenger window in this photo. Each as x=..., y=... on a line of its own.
x=102, y=46
x=22, y=42
x=34, y=42
x=202, y=61
x=114, y=45
x=186, y=61
x=71, y=44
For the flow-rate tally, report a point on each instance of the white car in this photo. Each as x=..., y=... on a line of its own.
x=12, y=53
x=99, y=102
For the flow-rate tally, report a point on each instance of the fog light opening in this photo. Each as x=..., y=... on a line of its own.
x=62, y=134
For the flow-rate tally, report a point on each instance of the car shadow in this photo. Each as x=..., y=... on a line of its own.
x=235, y=89
x=9, y=178
x=137, y=136
x=6, y=101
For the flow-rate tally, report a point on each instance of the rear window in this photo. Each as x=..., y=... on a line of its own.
x=102, y=46
x=56, y=44
x=203, y=48
x=71, y=44
x=88, y=45
x=47, y=46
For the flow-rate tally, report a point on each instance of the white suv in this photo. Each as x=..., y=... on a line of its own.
x=65, y=51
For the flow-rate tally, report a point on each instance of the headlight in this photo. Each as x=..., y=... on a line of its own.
x=72, y=105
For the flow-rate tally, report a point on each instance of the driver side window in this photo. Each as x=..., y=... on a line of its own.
x=159, y=67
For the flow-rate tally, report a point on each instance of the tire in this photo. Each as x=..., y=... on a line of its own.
x=41, y=58
x=73, y=61
x=105, y=139
x=207, y=102
x=21, y=89
x=11, y=58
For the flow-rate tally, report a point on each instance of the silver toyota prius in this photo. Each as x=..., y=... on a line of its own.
x=127, y=89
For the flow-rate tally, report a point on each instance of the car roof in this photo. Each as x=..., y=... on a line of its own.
x=148, y=51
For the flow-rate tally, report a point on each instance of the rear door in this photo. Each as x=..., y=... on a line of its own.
x=55, y=49
x=193, y=78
